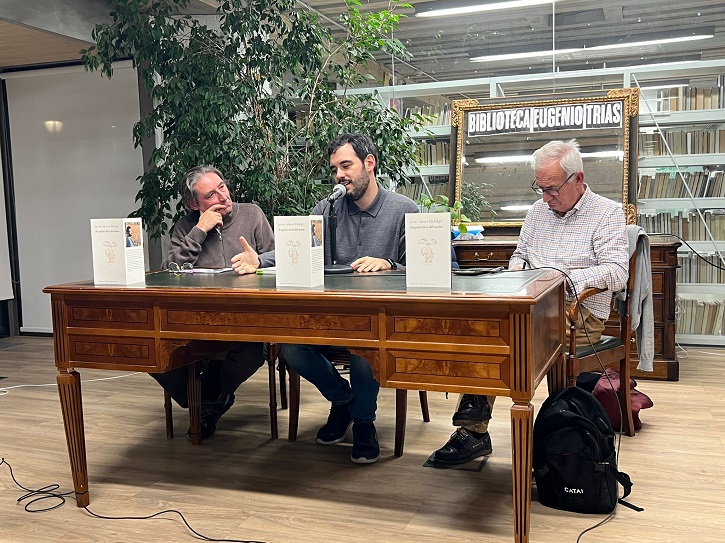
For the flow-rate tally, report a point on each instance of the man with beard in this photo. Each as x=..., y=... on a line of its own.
x=370, y=237
x=208, y=237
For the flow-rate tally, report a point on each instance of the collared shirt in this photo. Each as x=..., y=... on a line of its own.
x=378, y=231
x=589, y=243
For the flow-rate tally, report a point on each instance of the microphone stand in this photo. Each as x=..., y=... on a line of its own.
x=334, y=268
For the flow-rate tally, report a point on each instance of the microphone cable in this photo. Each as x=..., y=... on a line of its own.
x=50, y=492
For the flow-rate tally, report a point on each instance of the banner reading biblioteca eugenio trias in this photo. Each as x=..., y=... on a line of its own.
x=545, y=118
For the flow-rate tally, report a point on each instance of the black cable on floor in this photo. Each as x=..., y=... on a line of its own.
x=49, y=492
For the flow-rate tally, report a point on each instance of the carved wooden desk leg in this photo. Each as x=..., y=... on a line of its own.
x=194, y=396
x=71, y=405
x=522, y=426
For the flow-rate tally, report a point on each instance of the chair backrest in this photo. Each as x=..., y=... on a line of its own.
x=623, y=308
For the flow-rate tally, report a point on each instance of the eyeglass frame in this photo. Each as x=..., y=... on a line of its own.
x=186, y=267
x=551, y=191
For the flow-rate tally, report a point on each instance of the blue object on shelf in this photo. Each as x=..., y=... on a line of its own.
x=476, y=232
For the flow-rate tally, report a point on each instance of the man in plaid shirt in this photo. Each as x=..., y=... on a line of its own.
x=573, y=230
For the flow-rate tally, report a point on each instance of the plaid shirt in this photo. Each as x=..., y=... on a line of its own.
x=589, y=243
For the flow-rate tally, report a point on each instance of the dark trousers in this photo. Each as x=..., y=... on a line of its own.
x=238, y=365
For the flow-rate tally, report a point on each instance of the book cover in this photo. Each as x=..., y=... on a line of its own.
x=117, y=249
x=428, y=250
x=300, y=251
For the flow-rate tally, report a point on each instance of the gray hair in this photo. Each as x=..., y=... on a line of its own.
x=566, y=153
x=191, y=179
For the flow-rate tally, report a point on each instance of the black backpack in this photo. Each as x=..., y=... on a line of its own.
x=574, y=457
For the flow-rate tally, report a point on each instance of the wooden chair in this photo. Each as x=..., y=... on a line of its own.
x=195, y=352
x=340, y=358
x=609, y=351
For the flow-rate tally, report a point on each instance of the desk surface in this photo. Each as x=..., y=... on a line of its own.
x=520, y=284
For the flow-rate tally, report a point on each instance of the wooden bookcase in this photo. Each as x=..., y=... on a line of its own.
x=496, y=251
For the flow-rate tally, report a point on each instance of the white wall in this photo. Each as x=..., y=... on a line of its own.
x=6, y=289
x=63, y=179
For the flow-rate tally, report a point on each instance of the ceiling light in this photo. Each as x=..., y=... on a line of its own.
x=478, y=8
x=516, y=207
x=527, y=158
x=530, y=54
x=53, y=126
x=651, y=42
x=501, y=159
x=604, y=154
x=661, y=87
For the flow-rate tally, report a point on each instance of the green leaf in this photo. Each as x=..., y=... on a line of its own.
x=224, y=97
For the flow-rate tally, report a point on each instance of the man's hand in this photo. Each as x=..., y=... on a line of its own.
x=246, y=261
x=211, y=218
x=514, y=268
x=370, y=264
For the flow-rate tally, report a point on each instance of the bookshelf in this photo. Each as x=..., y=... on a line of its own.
x=678, y=110
x=690, y=204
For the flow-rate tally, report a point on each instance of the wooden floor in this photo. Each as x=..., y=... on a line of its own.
x=242, y=485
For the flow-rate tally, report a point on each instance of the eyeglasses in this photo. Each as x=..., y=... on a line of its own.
x=186, y=267
x=551, y=191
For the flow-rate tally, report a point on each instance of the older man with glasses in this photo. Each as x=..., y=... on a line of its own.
x=570, y=229
x=215, y=232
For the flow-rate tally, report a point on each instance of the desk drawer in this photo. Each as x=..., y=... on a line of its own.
x=110, y=315
x=109, y=352
x=483, y=258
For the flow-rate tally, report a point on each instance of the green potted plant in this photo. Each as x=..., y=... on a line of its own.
x=260, y=97
x=472, y=199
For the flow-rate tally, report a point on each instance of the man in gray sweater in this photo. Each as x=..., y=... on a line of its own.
x=209, y=237
x=370, y=238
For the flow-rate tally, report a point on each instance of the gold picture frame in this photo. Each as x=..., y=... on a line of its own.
x=492, y=140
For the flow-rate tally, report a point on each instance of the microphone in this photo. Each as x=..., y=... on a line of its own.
x=337, y=191
x=218, y=231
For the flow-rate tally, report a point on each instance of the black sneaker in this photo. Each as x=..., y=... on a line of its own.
x=338, y=421
x=211, y=412
x=463, y=447
x=365, y=447
x=473, y=409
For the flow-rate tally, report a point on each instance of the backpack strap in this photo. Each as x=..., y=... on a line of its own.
x=626, y=483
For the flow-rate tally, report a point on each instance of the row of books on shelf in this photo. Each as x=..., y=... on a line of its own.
x=682, y=141
x=684, y=98
x=416, y=190
x=698, y=317
x=693, y=269
x=437, y=153
x=432, y=115
x=702, y=184
x=686, y=224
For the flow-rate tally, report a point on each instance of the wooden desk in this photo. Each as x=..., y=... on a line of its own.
x=494, y=335
x=496, y=251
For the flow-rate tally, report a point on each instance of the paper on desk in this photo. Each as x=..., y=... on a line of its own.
x=206, y=270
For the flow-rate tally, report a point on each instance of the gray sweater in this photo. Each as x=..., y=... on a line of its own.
x=215, y=249
x=641, y=305
x=378, y=231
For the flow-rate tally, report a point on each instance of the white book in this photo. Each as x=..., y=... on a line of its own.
x=428, y=251
x=117, y=248
x=300, y=251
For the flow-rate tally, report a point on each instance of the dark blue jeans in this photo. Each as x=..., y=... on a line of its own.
x=310, y=363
